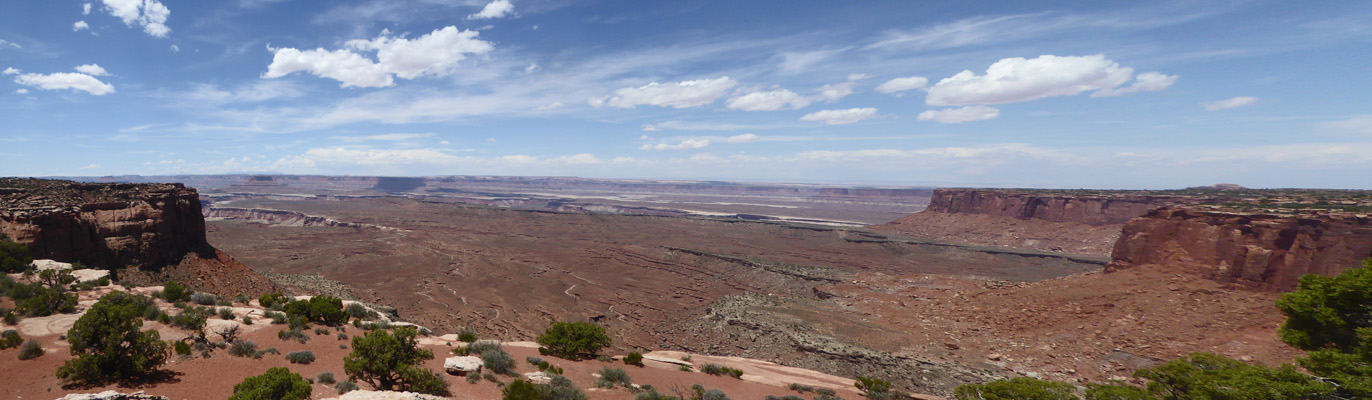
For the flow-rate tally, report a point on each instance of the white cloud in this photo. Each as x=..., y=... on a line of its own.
x=858, y=77
x=1018, y=79
x=960, y=115
x=175, y=49
x=21, y=91
x=1357, y=125
x=903, y=84
x=797, y=62
x=374, y=157
x=688, y=144
x=79, y=25
x=92, y=70
x=150, y=14
x=550, y=106
x=835, y=91
x=769, y=101
x=577, y=159
x=532, y=68
x=64, y=80
x=85, y=8
x=1145, y=82
x=436, y=53
x=744, y=138
x=1226, y=104
x=389, y=137
x=840, y=117
x=494, y=9
x=4, y=43
x=684, y=94
x=91, y=166
x=257, y=91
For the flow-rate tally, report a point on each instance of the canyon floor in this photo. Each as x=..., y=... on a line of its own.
x=928, y=315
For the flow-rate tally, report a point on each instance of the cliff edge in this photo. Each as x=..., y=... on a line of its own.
x=146, y=233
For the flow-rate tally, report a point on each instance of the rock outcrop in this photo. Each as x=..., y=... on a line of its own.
x=153, y=232
x=112, y=395
x=462, y=365
x=1048, y=206
x=1263, y=250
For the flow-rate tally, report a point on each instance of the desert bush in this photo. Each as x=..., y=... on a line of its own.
x=244, y=348
x=685, y=368
x=295, y=334
x=498, y=361
x=1021, y=388
x=391, y=362
x=786, y=397
x=10, y=338
x=192, y=319
x=30, y=350
x=271, y=299
x=241, y=299
x=716, y=369
x=609, y=377
x=357, y=310
x=342, y=336
x=345, y=386
x=226, y=313
x=321, y=331
x=300, y=357
x=466, y=335
x=14, y=257
x=183, y=348
x=11, y=317
x=324, y=310
x=473, y=378
x=278, y=318
x=204, y=299
x=325, y=377
x=277, y=383
x=520, y=390
x=573, y=340
x=176, y=292
x=875, y=388
x=48, y=296
x=634, y=358
x=533, y=360
x=108, y=345
x=247, y=320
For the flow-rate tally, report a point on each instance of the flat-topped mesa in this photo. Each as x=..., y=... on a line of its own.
x=1264, y=250
x=1049, y=206
x=112, y=226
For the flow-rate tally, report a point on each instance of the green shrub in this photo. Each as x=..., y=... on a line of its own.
x=321, y=331
x=498, y=361
x=325, y=377
x=277, y=383
x=295, y=334
x=10, y=338
x=357, y=310
x=30, y=350
x=345, y=386
x=108, y=345
x=324, y=310
x=14, y=257
x=244, y=348
x=226, y=313
x=46, y=297
x=247, y=320
x=467, y=335
x=634, y=358
x=175, y=292
x=204, y=299
x=184, y=348
x=534, y=360
x=342, y=336
x=1332, y=318
x=1116, y=392
x=270, y=299
x=520, y=390
x=609, y=377
x=300, y=357
x=716, y=369
x=875, y=388
x=278, y=318
x=1012, y=389
x=191, y=319
x=1210, y=376
x=391, y=362
x=573, y=340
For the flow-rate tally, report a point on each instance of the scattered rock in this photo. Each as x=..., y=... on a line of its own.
x=538, y=378
x=112, y=395
x=462, y=365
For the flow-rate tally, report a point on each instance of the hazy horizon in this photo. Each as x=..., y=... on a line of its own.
x=1038, y=95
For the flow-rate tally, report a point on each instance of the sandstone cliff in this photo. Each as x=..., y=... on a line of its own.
x=155, y=230
x=1076, y=223
x=1264, y=250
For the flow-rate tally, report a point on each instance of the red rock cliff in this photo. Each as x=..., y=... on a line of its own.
x=1261, y=250
x=156, y=228
x=1085, y=209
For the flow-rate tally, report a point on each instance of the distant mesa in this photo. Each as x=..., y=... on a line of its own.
x=1220, y=187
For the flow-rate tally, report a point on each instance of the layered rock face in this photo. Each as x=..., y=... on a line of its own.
x=106, y=225
x=1263, y=250
x=155, y=230
x=1085, y=209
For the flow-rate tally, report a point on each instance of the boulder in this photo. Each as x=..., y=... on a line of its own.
x=112, y=395
x=538, y=378
x=462, y=365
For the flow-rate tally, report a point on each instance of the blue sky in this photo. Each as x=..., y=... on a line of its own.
x=966, y=93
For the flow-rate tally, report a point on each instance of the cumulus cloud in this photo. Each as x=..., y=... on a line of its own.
x=744, y=138
x=494, y=9
x=150, y=14
x=960, y=115
x=436, y=53
x=92, y=70
x=835, y=91
x=550, y=106
x=841, y=117
x=769, y=101
x=903, y=84
x=389, y=137
x=1235, y=102
x=532, y=68
x=65, y=80
x=1017, y=79
x=85, y=8
x=21, y=91
x=688, y=144
x=79, y=25
x=684, y=94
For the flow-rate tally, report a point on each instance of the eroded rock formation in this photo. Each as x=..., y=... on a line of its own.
x=156, y=231
x=1047, y=206
x=1264, y=250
